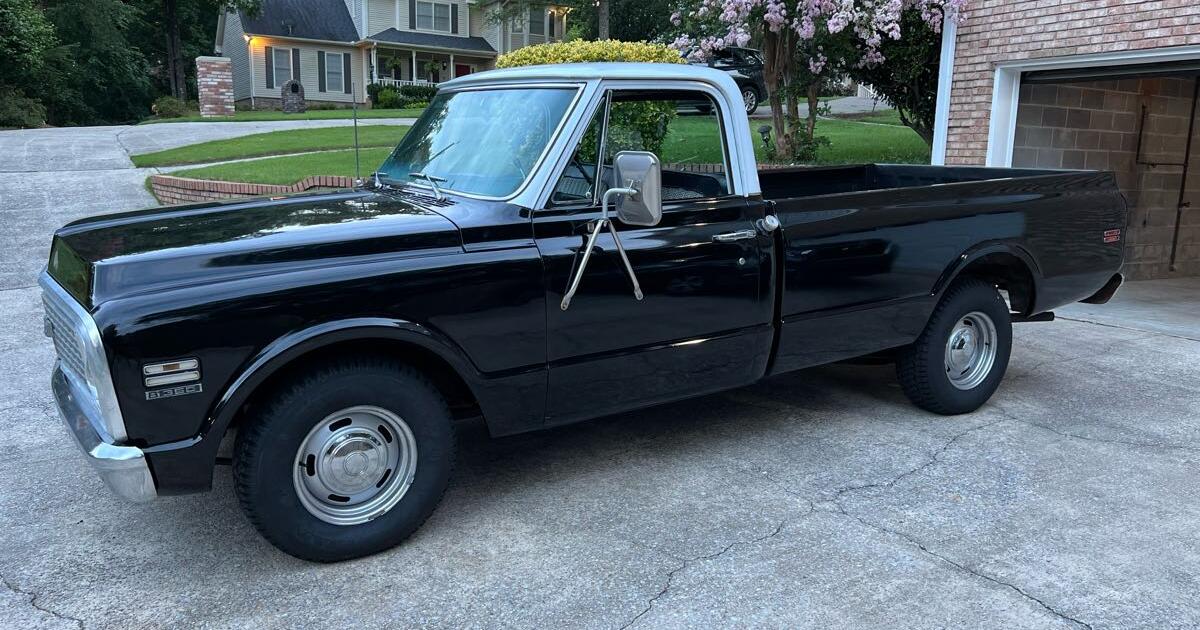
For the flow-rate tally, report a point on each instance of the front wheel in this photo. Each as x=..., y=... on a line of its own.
x=347, y=461
x=960, y=358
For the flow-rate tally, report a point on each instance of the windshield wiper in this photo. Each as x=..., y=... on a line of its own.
x=433, y=181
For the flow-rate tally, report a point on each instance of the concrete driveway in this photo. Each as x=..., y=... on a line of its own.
x=820, y=499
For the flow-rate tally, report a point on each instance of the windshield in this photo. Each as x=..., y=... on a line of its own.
x=481, y=142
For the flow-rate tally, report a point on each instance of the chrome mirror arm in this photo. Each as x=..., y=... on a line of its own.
x=591, y=243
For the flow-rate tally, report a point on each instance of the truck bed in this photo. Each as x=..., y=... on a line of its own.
x=871, y=247
x=789, y=183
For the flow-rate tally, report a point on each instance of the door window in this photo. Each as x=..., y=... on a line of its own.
x=683, y=128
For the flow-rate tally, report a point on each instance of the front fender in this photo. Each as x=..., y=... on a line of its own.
x=186, y=466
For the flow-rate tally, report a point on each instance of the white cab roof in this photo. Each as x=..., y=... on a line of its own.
x=600, y=71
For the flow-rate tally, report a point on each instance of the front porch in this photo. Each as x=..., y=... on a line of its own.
x=397, y=67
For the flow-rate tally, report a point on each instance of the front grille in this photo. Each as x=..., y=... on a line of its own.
x=63, y=329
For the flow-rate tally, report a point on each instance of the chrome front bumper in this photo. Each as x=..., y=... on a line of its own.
x=122, y=468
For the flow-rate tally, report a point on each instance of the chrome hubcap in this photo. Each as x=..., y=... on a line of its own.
x=751, y=101
x=355, y=465
x=971, y=350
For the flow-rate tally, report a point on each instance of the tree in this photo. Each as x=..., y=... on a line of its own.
x=623, y=20
x=26, y=37
x=178, y=18
x=602, y=19
x=908, y=81
x=804, y=42
x=105, y=79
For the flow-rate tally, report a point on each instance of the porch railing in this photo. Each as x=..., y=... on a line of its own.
x=400, y=82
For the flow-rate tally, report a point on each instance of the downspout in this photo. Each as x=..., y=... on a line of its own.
x=941, y=118
x=250, y=56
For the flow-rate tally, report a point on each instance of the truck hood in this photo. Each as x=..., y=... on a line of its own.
x=106, y=257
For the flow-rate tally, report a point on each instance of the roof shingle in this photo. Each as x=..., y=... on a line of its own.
x=429, y=40
x=327, y=20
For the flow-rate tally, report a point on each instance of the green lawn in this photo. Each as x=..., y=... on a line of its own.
x=880, y=117
x=291, y=169
x=274, y=143
x=315, y=114
x=852, y=143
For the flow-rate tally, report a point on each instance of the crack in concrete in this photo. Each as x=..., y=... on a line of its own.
x=32, y=286
x=935, y=458
x=966, y=569
x=703, y=558
x=1120, y=327
x=33, y=601
x=1028, y=370
x=1084, y=438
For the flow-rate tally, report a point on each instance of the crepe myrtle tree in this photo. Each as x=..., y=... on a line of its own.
x=804, y=43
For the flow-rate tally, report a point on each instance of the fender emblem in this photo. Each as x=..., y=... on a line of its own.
x=171, y=392
x=1112, y=236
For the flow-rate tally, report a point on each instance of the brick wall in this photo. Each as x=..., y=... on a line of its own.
x=214, y=79
x=1007, y=30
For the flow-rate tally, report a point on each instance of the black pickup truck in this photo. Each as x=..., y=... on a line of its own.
x=546, y=245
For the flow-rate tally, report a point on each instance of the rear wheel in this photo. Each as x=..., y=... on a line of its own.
x=348, y=461
x=960, y=358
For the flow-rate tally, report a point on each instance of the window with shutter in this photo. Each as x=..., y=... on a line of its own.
x=433, y=16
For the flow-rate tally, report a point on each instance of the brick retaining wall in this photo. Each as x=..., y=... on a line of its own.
x=173, y=190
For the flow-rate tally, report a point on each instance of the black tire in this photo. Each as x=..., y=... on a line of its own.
x=922, y=368
x=265, y=457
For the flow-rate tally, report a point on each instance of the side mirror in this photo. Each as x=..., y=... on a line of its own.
x=640, y=171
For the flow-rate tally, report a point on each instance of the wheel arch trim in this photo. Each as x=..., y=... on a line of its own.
x=291, y=346
x=982, y=250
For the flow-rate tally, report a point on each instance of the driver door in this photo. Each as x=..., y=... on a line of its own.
x=704, y=324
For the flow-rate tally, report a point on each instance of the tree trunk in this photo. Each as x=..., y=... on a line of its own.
x=602, y=19
x=919, y=126
x=775, y=70
x=814, y=102
x=175, y=67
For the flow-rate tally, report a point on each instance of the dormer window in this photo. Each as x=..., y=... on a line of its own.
x=433, y=16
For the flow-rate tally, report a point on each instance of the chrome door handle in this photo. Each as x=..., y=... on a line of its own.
x=739, y=235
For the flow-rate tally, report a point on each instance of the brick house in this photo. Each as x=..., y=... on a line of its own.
x=335, y=48
x=1097, y=84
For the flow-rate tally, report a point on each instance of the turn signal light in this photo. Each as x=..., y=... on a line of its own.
x=171, y=372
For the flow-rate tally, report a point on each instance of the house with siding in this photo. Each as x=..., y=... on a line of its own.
x=1093, y=84
x=335, y=48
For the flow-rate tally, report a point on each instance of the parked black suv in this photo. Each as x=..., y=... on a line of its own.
x=745, y=65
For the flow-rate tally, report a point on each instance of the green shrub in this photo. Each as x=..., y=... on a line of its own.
x=373, y=90
x=388, y=98
x=18, y=110
x=649, y=120
x=418, y=92
x=580, y=51
x=417, y=105
x=169, y=107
